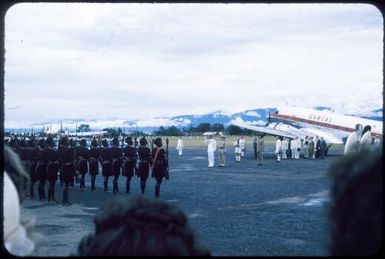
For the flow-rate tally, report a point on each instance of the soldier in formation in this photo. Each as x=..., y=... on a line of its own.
x=159, y=164
x=41, y=169
x=129, y=162
x=93, y=160
x=105, y=160
x=116, y=156
x=82, y=161
x=66, y=154
x=144, y=154
x=52, y=168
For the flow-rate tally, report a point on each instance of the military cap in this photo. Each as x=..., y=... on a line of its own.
x=143, y=141
x=50, y=142
x=42, y=142
x=32, y=142
x=64, y=141
x=94, y=143
x=115, y=141
x=129, y=141
x=83, y=142
x=158, y=142
x=104, y=143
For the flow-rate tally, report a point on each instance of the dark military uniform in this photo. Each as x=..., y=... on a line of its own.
x=66, y=154
x=52, y=169
x=129, y=162
x=82, y=160
x=93, y=159
x=41, y=168
x=116, y=156
x=74, y=147
x=33, y=153
x=144, y=154
x=159, y=164
x=105, y=160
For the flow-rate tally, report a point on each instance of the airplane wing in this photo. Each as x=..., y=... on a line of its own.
x=270, y=130
x=329, y=137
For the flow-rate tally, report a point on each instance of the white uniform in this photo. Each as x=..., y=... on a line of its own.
x=278, y=149
x=179, y=146
x=297, y=147
x=237, y=151
x=211, y=148
x=285, y=146
x=242, y=146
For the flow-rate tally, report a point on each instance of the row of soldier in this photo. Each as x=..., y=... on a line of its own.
x=70, y=159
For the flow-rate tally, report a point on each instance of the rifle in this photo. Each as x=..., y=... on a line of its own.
x=167, y=172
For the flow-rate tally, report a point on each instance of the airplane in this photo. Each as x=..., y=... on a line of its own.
x=292, y=122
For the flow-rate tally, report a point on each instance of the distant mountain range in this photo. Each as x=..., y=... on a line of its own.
x=256, y=116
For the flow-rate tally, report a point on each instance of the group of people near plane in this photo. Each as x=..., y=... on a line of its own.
x=313, y=148
x=71, y=159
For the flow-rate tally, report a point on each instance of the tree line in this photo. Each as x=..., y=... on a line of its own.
x=174, y=131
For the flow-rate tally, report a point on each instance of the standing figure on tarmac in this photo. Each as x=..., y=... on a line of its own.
x=297, y=149
x=52, y=168
x=317, y=143
x=41, y=169
x=255, y=147
x=237, y=151
x=222, y=151
x=116, y=156
x=211, y=148
x=278, y=149
x=179, y=146
x=260, y=150
x=322, y=148
x=306, y=148
x=106, y=161
x=129, y=153
x=285, y=146
x=67, y=157
x=159, y=164
x=293, y=148
x=73, y=147
x=33, y=153
x=144, y=154
x=311, y=148
x=242, y=144
x=82, y=155
x=93, y=160
x=288, y=151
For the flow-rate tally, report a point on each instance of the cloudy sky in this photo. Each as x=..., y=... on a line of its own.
x=72, y=60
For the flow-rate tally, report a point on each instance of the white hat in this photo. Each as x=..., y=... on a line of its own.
x=16, y=240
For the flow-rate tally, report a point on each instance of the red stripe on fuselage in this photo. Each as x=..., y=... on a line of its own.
x=316, y=123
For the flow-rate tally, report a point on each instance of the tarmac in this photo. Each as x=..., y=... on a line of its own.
x=242, y=209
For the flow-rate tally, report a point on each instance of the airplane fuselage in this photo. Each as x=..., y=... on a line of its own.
x=327, y=121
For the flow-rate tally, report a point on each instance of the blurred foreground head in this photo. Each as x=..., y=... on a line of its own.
x=141, y=226
x=355, y=211
x=18, y=228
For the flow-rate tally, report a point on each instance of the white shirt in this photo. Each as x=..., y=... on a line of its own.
x=278, y=145
x=179, y=144
x=211, y=145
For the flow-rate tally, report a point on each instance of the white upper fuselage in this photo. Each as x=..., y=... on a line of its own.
x=333, y=126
